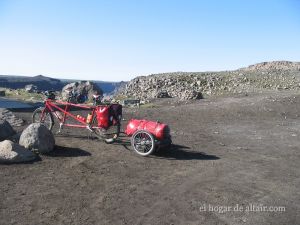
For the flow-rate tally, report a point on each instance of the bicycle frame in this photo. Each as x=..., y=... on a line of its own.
x=51, y=106
x=145, y=135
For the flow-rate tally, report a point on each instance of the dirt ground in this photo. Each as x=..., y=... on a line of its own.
x=233, y=152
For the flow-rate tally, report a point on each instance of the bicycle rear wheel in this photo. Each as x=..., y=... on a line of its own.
x=44, y=117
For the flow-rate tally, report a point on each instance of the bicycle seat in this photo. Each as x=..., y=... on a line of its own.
x=50, y=94
x=97, y=99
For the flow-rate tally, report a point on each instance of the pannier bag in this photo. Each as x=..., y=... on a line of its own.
x=108, y=115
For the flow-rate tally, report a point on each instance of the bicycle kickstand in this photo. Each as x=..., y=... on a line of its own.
x=60, y=128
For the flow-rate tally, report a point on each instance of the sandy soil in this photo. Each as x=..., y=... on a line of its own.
x=235, y=150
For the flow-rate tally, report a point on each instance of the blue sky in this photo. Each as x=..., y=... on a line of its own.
x=117, y=40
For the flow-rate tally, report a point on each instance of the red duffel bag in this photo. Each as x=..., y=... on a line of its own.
x=157, y=129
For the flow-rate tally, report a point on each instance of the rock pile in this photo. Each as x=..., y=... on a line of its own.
x=36, y=138
x=184, y=85
x=86, y=88
x=11, y=152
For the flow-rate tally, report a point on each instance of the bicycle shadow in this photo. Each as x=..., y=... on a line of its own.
x=181, y=152
x=35, y=160
x=77, y=136
x=62, y=151
x=174, y=152
x=125, y=142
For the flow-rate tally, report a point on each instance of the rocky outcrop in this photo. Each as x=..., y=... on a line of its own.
x=38, y=138
x=84, y=88
x=184, y=85
x=11, y=152
x=42, y=83
x=7, y=115
x=6, y=130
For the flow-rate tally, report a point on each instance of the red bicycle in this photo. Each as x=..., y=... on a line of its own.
x=104, y=120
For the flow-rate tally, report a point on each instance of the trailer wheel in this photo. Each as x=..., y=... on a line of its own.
x=143, y=142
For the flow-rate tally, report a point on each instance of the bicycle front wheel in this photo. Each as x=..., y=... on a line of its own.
x=40, y=115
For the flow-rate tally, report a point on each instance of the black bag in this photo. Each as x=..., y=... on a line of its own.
x=115, y=110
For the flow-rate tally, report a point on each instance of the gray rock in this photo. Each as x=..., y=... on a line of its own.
x=38, y=138
x=6, y=130
x=191, y=94
x=11, y=152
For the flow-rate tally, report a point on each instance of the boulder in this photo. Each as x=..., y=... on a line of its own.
x=38, y=138
x=84, y=88
x=11, y=152
x=191, y=94
x=163, y=94
x=6, y=130
x=30, y=88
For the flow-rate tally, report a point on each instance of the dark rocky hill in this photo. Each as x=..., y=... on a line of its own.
x=43, y=83
x=47, y=83
x=276, y=75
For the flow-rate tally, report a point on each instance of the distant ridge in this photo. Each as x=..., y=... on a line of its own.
x=42, y=82
x=274, y=65
x=276, y=75
x=47, y=83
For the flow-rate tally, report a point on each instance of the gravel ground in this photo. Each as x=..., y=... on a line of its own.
x=229, y=154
